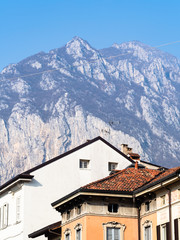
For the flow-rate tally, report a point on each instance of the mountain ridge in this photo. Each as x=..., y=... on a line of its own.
x=52, y=102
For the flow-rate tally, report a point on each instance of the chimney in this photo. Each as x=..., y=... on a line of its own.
x=134, y=156
x=125, y=149
x=136, y=165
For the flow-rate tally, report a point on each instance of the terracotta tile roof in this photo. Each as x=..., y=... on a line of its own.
x=165, y=174
x=134, y=155
x=126, y=180
x=129, y=180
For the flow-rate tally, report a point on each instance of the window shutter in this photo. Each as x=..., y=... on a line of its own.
x=158, y=232
x=176, y=233
x=168, y=230
x=109, y=234
x=18, y=206
x=116, y=234
x=5, y=215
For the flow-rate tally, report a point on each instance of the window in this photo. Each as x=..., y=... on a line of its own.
x=5, y=216
x=147, y=226
x=163, y=200
x=113, y=233
x=67, y=236
x=113, y=208
x=147, y=206
x=79, y=210
x=68, y=215
x=113, y=230
x=78, y=234
x=176, y=229
x=78, y=229
x=83, y=164
x=18, y=203
x=112, y=166
x=147, y=233
x=163, y=232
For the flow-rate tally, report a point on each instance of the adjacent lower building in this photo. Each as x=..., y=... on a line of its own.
x=130, y=204
x=25, y=201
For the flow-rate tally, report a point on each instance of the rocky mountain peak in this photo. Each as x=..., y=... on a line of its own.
x=79, y=48
x=128, y=93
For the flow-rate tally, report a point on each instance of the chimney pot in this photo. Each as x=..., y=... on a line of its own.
x=136, y=165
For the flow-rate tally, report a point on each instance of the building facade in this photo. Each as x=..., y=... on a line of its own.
x=136, y=204
x=25, y=201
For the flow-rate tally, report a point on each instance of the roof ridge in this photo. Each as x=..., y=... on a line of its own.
x=77, y=148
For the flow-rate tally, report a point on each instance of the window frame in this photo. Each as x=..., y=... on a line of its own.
x=163, y=230
x=116, y=225
x=5, y=215
x=79, y=209
x=113, y=207
x=163, y=199
x=66, y=233
x=110, y=164
x=78, y=228
x=147, y=224
x=68, y=214
x=84, y=164
x=113, y=233
x=147, y=206
x=18, y=209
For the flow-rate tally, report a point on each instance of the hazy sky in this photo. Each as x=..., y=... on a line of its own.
x=31, y=26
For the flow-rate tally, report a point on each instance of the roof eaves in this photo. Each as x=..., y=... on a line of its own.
x=20, y=177
x=44, y=230
x=152, y=184
x=80, y=191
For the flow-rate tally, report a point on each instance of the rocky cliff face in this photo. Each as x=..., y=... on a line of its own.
x=52, y=102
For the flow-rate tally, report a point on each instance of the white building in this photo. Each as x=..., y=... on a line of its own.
x=25, y=201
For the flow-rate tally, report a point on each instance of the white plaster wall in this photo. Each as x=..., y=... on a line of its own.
x=62, y=177
x=14, y=230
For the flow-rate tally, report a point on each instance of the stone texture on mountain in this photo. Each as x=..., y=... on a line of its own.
x=52, y=102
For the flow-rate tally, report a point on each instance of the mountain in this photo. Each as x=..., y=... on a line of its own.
x=52, y=102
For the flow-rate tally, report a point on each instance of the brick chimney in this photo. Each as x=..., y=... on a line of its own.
x=128, y=151
x=134, y=156
x=125, y=149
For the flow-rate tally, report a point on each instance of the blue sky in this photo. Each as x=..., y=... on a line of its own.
x=31, y=26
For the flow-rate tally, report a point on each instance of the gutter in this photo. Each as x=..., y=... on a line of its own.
x=89, y=193
x=170, y=215
x=139, y=224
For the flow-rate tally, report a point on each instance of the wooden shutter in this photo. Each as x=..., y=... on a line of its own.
x=168, y=230
x=158, y=232
x=176, y=232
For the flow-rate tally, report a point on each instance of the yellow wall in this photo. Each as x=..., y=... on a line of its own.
x=92, y=227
